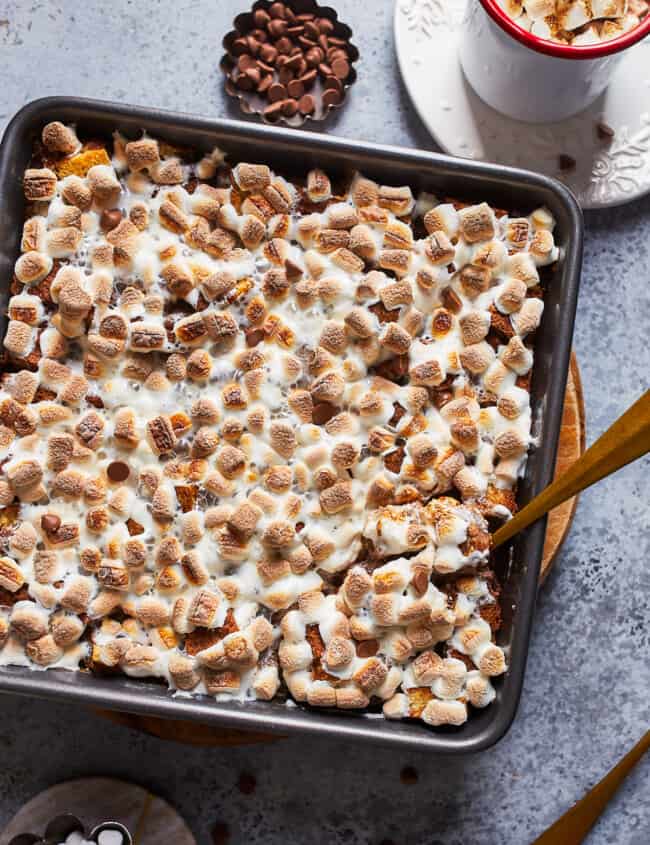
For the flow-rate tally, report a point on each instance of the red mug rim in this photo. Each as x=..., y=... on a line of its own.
x=564, y=51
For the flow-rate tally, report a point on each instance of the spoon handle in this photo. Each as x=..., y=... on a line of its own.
x=575, y=824
x=624, y=441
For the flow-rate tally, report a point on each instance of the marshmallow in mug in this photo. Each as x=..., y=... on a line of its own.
x=577, y=22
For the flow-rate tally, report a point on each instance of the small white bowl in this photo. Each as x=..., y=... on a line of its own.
x=528, y=78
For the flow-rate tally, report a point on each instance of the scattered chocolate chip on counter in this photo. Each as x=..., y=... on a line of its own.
x=286, y=64
x=247, y=782
x=409, y=775
x=566, y=162
x=220, y=834
x=604, y=131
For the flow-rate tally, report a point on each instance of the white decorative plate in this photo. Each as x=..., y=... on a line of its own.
x=607, y=172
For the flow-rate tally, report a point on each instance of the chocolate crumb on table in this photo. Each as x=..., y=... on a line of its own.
x=566, y=162
x=220, y=834
x=253, y=428
x=246, y=783
x=409, y=775
x=605, y=131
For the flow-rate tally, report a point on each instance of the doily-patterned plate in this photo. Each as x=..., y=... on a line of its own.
x=607, y=171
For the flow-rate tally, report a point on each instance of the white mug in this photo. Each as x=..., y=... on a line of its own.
x=529, y=78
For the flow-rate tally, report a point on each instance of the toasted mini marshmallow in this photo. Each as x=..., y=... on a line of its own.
x=575, y=14
x=444, y=713
x=32, y=267
x=104, y=185
x=60, y=138
x=536, y=9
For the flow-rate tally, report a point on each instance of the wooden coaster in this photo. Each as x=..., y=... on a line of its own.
x=570, y=447
x=149, y=819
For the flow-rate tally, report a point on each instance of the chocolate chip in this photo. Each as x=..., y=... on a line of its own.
x=367, y=648
x=341, y=69
x=247, y=782
x=274, y=111
x=311, y=31
x=325, y=26
x=284, y=45
x=336, y=53
x=331, y=97
x=566, y=162
x=333, y=82
x=323, y=412
x=50, y=523
x=292, y=270
x=285, y=75
x=254, y=75
x=289, y=107
x=324, y=69
x=294, y=62
x=451, y=300
x=244, y=82
x=308, y=78
x=261, y=18
x=118, y=471
x=277, y=10
x=239, y=46
x=268, y=53
x=265, y=84
x=220, y=834
x=254, y=336
x=314, y=56
x=245, y=61
x=260, y=35
x=253, y=45
x=296, y=89
x=277, y=28
x=604, y=131
x=109, y=219
x=408, y=775
x=420, y=580
x=306, y=104
x=276, y=92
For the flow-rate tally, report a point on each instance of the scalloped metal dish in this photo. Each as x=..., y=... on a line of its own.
x=294, y=152
x=62, y=826
x=248, y=101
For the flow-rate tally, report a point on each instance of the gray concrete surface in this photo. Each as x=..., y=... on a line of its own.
x=588, y=682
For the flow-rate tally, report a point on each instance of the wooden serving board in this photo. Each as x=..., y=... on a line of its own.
x=570, y=447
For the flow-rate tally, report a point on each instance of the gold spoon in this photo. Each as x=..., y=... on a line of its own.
x=625, y=441
x=576, y=823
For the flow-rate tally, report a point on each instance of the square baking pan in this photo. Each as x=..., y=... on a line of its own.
x=296, y=152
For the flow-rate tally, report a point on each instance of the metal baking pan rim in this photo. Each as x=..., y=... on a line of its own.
x=144, y=697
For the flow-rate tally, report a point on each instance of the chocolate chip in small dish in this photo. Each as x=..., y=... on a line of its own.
x=288, y=62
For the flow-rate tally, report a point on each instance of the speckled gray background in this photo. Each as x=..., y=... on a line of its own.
x=588, y=683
